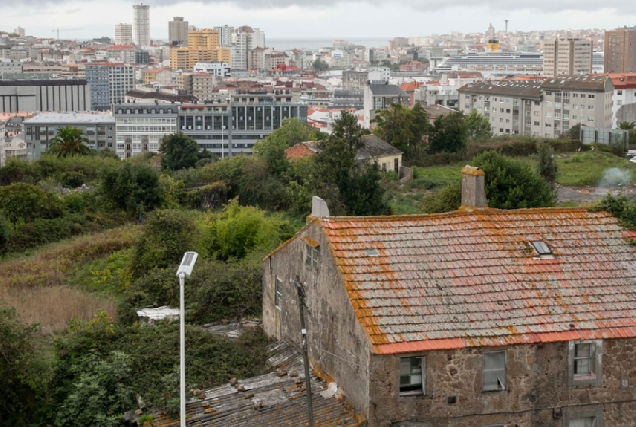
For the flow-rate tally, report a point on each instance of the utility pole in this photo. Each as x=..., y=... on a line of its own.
x=301, y=305
x=230, y=126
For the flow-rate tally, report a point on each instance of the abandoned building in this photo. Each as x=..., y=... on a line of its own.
x=478, y=317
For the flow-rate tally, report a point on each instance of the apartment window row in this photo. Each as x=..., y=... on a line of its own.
x=584, y=368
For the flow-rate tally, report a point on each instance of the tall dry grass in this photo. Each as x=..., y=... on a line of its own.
x=33, y=284
x=49, y=265
x=54, y=307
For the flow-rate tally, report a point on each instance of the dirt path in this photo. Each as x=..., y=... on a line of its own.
x=582, y=195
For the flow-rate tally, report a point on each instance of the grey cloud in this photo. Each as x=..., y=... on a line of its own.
x=541, y=6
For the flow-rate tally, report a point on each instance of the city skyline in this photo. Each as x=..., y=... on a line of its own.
x=284, y=19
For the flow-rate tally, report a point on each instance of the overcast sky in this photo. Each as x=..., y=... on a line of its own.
x=329, y=18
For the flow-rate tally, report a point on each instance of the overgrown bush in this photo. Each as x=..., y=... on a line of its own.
x=447, y=199
x=22, y=202
x=619, y=206
x=166, y=236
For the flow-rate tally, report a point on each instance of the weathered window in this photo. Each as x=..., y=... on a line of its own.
x=584, y=362
x=412, y=375
x=278, y=292
x=583, y=422
x=494, y=371
x=311, y=259
x=584, y=417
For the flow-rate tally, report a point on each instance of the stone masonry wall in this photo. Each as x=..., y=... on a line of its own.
x=537, y=392
x=337, y=345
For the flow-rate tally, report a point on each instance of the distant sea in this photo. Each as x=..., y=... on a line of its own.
x=317, y=43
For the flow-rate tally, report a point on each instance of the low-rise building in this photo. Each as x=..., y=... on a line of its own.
x=546, y=109
x=158, y=75
x=624, y=98
x=141, y=127
x=477, y=317
x=44, y=95
x=218, y=69
x=381, y=97
x=98, y=128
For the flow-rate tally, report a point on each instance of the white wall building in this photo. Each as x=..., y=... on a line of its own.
x=123, y=34
x=219, y=69
x=225, y=35
x=141, y=19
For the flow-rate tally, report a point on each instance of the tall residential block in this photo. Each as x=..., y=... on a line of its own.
x=178, y=31
x=203, y=46
x=109, y=82
x=225, y=35
x=123, y=34
x=567, y=57
x=141, y=16
x=620, y=50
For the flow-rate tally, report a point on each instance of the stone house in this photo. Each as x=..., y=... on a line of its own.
x=478, y=317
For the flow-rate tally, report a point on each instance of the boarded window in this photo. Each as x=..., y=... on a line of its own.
x=278, y=292
x=412, y=375
x=494, y=371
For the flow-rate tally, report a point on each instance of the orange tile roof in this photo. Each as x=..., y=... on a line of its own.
x=471, y=278
x=410, y=86
x=298, y=151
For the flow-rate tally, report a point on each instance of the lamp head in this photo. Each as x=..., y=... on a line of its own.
x=187, y=264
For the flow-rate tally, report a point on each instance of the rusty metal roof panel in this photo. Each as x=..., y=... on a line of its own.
x=474, y=276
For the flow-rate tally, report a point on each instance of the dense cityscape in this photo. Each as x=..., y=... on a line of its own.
x=223, y=228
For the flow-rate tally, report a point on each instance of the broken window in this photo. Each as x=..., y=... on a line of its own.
x=412, y=375
x=278, y=292
x=494, y=371
x=311, y=259
x=585, y=362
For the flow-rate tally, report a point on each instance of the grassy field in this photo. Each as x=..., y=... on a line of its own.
x=38, y=286
x=589, y=168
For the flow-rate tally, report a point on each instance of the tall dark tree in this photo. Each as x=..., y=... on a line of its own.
x=402, y=127
x=179, y=152
x=69, y=141
x=449, y=133
x=546, y=164
x=477, y=126
x=134, y=189
x=357, y=183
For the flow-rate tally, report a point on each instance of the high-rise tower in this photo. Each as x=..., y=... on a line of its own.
x=178, y=31
x=141, y=21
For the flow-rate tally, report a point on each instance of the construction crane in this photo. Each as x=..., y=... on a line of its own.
x=65, y=29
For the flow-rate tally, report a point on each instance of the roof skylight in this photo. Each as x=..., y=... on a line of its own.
x=541, y=247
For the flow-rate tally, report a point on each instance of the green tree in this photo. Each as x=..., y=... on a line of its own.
x=449, y=134
x=320, y=65
x=134, y=189
x=626, y=125
x=69, y=141
x=446, y=199
x=357, y=184
x=512, y=184
x=100, y=394
x=26, y=202
x=620, y=207
x=23, y=372
x=179, y=152
x=477, y=126
x=546, y=164
x=167, y=235
x=402, y=127
x=575, y=132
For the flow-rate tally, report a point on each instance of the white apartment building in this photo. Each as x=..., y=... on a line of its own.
x=123, y=34
x=543, y=109
x=141, y=19
x=239, y=50
x=219, y=69
x=624, y=98
x=141, y=127
x=10, y=66
x=567, y=57
x=225, y=35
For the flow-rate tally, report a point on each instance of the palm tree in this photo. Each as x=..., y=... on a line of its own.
x=69, y=141
x=626, y=125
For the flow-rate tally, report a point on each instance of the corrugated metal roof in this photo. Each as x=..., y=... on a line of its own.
x=281, y=398
x=471, y=278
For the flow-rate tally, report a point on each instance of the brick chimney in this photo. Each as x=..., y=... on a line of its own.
x=473, y=188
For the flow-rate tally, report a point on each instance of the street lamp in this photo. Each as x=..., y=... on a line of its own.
x=185, y=269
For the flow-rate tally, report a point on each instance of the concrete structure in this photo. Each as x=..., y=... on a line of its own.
x=354, y=80
x=620, y=50
x=546, y=109
x=253, y=120
x=44, y=95
x=219, y=69
x=141, y=127
x=225, y=35
x=157, y=75
x=109, y=83
x=123, y=34
x=21, y=32
x=10, y=66
x=435, y=320
x=203, y=86
x=567, y=57
x=178, y=31
x=380, y=97
x=141, y=20
x=99, y=128
x=624, y=98
x=203, y=46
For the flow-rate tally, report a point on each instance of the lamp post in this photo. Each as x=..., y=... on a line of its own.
x=222, y=132
x=185, y=269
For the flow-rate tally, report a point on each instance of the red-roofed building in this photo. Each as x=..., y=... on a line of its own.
x=477, y=317
x=623, y=98
x=410, y=89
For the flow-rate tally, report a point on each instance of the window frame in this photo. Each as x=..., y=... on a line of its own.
x=278, y=292
x=596, y=413
x=596, y=370
x=422, y=390
x=505, y=371
x=312, y=257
